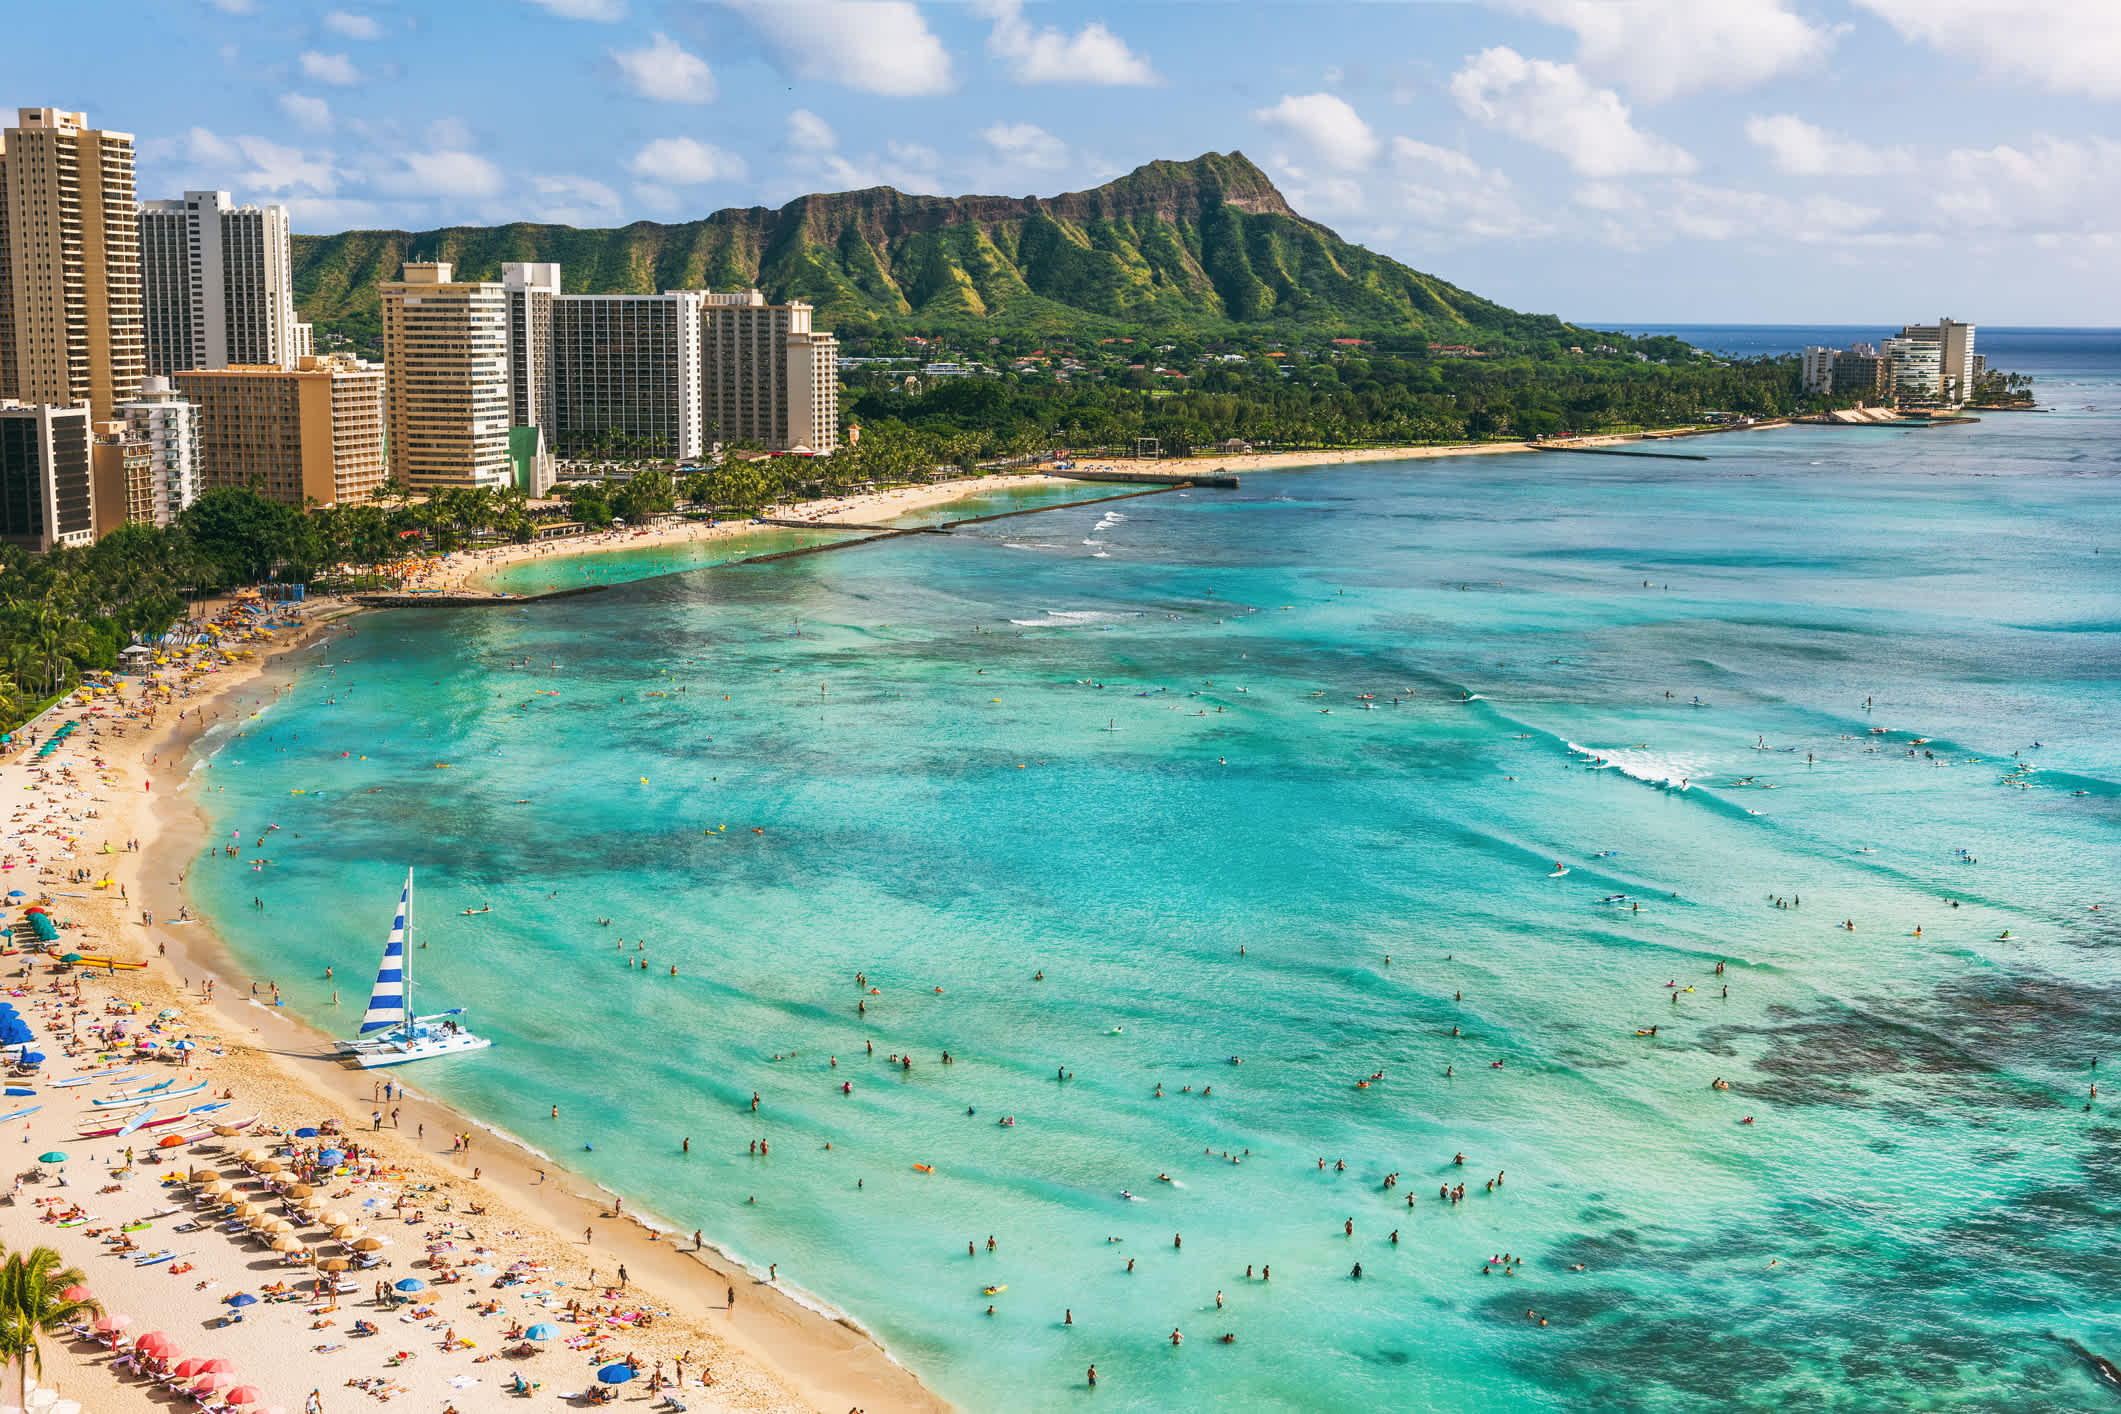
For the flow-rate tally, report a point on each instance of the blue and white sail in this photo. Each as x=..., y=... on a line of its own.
x=386, y=1004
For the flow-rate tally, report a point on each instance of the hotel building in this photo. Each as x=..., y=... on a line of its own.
x=626, y=376
x=445, y=353
x=123, y=475
x=47, y=485
x=314, y=432
x=767, y=376
x=169, y=424
x=216, y=284
x=69, y=263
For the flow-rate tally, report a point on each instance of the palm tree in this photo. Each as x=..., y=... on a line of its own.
x=31, y=1306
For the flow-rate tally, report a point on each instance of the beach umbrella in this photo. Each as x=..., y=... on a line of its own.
x=332, y=1219
x=240, y=1299
x=412, y=1284
x=157, y=1344
x=213, y=1379
x=300, y=1190
x=345, y=1232
x=205, y=1176
x=171, y=1141
x=305, y=1133
x=278, y=1227
x=368, y=1244
x=226, y=1131
x=268, y=1166
x=332, y=1156
x=75, y=1293
x=541, y=1331
x=332, y=1264
x=245, y=1394
x=246, y=1208
x=615, y=1374
x=53, y=1157
x=109, y=1324
x=251, y=1156
x=286, y=1244
x=187, y=1369
x=16, y=893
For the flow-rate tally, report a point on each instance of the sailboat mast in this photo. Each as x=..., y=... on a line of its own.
x=406, y=1023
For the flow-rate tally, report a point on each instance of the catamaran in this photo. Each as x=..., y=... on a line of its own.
x=391, y=1033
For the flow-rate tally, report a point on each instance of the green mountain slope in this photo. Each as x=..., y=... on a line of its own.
x=1196, y=246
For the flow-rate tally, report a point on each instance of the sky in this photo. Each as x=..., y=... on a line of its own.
x=1610, y=161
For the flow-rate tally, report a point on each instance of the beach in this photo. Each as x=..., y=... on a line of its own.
x=767, y=1351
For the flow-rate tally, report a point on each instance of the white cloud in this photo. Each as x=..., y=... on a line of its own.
x=665, y=71
x=253, y=163
x=1449, y=199
x=1554, y=106
x=684, y=161
x=807, y=132
x=914, y=154
x=1804, y=150
x=876, y=46
x=308, y=112
x=608, y=11
x=1688, y=210
x=1095, y=55
x=1334, y=131
x=330, y=68
x=351, y=25
x=1026, y=145
x=2050, y=185
x=2071, y=46
x=573, y=201
x=450, y=174
x=1661, y=48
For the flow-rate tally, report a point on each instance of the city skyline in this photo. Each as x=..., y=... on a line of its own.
x=1752, y=161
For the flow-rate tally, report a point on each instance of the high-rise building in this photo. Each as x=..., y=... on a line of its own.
x=747, y=349
x=72, y=237
x=445, y=356
x=122, y=471
x=1866, y=374
x=813, y=391
x=1818, y=372
x=169, y=424
x=314, y=432
x=626, y=376
x=530, y=287
x=1949, y=347
x=47, y=486
x=217, y=284
x=1917, y=366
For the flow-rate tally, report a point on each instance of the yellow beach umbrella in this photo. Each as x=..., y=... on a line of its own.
x=204, y=1175
x=332, y=1219
x=286, y=1244
x=346, y=1232
x=300, y=1190
x=252, y=1156
x=268, y=1166
x=368, y=1244
x=333, y=1264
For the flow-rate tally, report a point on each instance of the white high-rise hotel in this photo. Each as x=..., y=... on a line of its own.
x=216, y=284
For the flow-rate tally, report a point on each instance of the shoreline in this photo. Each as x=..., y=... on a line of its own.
x=776, y=1349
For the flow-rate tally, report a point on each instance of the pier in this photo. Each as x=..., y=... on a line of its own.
x=1618, y=452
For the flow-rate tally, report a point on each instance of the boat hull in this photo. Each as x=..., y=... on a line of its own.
x=374, y=1056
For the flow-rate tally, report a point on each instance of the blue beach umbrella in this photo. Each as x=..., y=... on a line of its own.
x=541, y=1331
x=33, y=1057
x=412, y=1284
x=332, y=1156
x=16, y=893
x=305, y=1134
x=615, y=1374
x=243, y=1298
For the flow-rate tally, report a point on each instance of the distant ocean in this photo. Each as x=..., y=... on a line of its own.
x=1282, y=776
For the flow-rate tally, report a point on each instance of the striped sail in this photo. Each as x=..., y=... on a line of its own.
x=386, y=1005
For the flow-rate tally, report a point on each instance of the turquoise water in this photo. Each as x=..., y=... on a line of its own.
x=623, y=564
x=943, y=799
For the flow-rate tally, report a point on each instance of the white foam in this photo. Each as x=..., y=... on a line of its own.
x=1068, y=618
x=1651, y=767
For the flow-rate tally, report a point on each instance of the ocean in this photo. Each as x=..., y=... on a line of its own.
x=1217, y=838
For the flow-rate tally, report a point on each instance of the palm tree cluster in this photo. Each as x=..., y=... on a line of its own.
x=34, y=1304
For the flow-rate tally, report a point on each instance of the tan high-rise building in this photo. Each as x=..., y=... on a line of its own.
x=445, y=356
x=169, y=423
x=313, y=432
x=72, y=257
x=753, y=356
x=123, y=469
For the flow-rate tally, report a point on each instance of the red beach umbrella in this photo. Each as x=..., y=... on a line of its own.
x=187, y=1368
x=245, y=1394
x=75, y=1293
x=213, y=1379
x=157, y=1344
x=107, y=1324
x=219, y=1365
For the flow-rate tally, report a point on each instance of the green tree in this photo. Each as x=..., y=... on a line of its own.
x=32, y=1306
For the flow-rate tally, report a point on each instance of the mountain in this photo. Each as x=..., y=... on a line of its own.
x=1196, y=246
